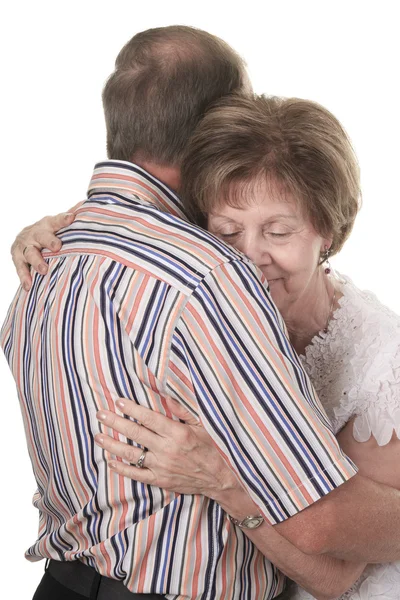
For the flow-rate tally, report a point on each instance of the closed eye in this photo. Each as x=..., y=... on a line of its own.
x=227, y=236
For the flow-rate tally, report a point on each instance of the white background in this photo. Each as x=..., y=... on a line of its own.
x=54, y=59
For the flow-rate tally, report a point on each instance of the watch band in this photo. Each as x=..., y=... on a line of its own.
x=249, y=522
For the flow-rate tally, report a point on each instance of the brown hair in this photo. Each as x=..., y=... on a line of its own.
x=164, y=80
x=294, y=143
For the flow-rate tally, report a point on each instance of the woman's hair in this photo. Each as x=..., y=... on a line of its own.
x=295, y=145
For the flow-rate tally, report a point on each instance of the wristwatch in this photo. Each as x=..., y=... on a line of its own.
x=251, y=522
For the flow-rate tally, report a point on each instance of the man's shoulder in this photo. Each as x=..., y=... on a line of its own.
x=143, y=238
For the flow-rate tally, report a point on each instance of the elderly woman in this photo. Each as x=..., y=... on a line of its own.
x=278, y=179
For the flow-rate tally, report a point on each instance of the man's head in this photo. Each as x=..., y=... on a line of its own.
x=164, y=80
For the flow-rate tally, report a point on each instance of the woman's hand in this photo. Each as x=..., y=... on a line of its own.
x=26, y=249
x=181, y=457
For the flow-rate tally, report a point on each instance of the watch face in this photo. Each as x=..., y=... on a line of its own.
x=252, y=522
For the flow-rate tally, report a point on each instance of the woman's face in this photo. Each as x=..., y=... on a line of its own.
x=275, y=234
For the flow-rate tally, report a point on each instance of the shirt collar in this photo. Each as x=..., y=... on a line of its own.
x=136, y=184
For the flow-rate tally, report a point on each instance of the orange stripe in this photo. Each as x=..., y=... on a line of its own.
x=138, y=299
x=106, y=556
x=175, y=369
x=143, y=568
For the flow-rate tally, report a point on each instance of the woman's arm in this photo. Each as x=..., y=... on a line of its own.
x=322, y=576
x=183, y=458
x=379, y=463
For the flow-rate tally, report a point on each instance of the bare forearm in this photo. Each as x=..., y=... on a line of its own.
x=323, y=576
x=360, y=521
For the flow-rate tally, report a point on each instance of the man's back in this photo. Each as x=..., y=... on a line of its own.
x=109, y=320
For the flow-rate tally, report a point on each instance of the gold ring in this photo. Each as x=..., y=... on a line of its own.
x=140, y=462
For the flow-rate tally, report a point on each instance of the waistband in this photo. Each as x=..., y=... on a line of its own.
x=85, y=580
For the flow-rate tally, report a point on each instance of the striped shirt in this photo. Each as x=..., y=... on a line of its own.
x=141, y=303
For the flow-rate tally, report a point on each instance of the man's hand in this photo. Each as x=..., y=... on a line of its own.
x=26, y=249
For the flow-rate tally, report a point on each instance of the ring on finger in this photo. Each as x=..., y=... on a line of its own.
x=140, y=462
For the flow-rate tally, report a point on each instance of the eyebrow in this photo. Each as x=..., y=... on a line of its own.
x=271, y=219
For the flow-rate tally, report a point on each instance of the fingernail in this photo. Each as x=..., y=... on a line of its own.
x=42, y=269
x=112, y=465
x=120, y=403
x=67, y=216
x=54, y=245
x=102, y=416
x=26, y=286
x=99, y=439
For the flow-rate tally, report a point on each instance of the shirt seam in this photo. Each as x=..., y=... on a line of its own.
x=188, y=298
x=345, y=461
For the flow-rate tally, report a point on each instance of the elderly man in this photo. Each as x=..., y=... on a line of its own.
x=136, y=303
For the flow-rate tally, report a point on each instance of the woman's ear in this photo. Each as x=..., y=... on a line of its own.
x=326, y=244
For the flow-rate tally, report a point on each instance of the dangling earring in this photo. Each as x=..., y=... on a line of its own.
x=325, y=259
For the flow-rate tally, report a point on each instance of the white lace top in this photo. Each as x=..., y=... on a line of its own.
x=355, y=369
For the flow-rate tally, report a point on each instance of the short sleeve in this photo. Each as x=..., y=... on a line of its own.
x=377, y=397
x=374, y=395
x=232, y=364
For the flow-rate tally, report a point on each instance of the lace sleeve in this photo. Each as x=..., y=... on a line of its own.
x=375, y=396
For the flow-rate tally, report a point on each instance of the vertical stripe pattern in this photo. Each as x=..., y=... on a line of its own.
x=141, y=303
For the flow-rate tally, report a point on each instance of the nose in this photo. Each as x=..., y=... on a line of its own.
x=254, y=250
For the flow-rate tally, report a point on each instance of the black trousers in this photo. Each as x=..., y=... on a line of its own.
x=76, y=581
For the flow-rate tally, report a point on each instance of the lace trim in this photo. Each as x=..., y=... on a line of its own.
x=355, y=366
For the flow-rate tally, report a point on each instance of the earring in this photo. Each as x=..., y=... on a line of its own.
x=325, y=259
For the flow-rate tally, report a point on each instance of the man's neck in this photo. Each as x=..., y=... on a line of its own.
x=169, y=175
